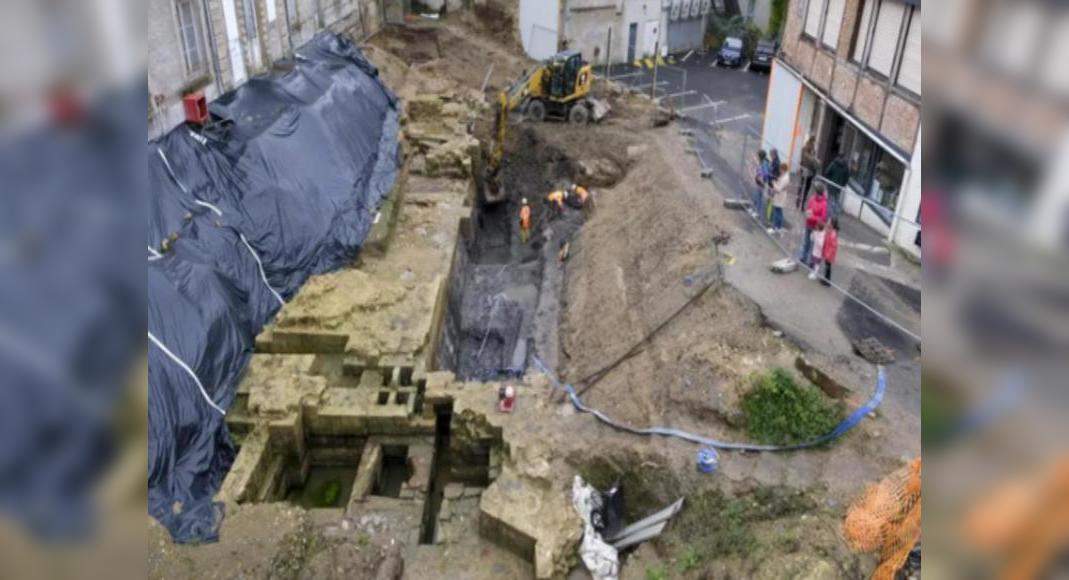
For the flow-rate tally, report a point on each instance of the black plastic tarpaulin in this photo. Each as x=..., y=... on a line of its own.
x=284, y=184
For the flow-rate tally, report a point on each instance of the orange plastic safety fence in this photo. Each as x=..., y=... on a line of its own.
x=886, y=519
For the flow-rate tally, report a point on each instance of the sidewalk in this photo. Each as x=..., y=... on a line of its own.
x=865, y=268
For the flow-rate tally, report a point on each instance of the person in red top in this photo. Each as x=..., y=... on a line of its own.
x=831, y=249
x=816, y=212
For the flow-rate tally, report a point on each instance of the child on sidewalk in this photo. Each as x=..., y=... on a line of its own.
x=817, y=255
x=831, y=249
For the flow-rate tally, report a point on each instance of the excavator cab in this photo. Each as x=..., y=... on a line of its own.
x=562, y=74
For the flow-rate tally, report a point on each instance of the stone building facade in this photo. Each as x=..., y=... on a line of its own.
x=849, y=75
x=213, y=46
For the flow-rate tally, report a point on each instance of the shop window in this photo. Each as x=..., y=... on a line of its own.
x=886, y=181
x=874, y=174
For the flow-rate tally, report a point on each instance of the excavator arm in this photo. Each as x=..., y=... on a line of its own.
x=508, y=101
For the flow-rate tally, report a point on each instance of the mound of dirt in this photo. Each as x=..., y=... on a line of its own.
x=411, y=44
x=620, y=287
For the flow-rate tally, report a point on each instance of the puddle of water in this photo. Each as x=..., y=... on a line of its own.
x=326, y=487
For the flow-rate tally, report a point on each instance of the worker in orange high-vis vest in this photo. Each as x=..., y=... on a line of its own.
x=556, y=200
x=582, y=197
x=525, y=221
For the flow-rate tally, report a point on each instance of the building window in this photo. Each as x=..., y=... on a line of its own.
x=812, y=18
x=909, y=71
x=189, y=31
x=886, y=183
x=861, y=37
x=291, y=10
x=874, y=174
x=833, y=21
x=251, y=31
x=885, y=37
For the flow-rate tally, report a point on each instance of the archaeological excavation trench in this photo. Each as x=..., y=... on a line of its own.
x=503, y=298
x=364, y=433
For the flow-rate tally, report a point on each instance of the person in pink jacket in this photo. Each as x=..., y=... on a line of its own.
x=830, y=250
x=816, y=213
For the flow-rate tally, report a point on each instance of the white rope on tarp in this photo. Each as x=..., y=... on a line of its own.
x=188, y=370
x=218, y=212
x=260, y=265
x=182, y=186
x=153, y=254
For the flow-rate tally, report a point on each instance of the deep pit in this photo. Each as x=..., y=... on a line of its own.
x=498, y=283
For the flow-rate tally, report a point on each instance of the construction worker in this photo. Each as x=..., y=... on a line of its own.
x=525, y=221
x=556, y=200
x=582, y=197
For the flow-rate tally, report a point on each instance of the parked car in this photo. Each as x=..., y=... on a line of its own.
x=730, y=53
x=762, y=56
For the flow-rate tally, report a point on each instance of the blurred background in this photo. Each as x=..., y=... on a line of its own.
x=72, y=289
x=995, y=211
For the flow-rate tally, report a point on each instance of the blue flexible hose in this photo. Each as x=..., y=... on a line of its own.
x=840, y=429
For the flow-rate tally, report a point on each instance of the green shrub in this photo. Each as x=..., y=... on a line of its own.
x=777, y=18
x=779, y=411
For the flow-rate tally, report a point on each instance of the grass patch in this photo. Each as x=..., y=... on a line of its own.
x=689, y=559
x=781, y=411
x=713, y=525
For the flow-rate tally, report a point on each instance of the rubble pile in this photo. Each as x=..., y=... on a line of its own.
x=437, y=137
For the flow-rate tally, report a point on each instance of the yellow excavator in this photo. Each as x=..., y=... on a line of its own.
x=557, y=89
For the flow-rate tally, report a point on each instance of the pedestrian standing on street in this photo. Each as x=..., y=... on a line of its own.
x=779, y=193
x=761, y=174
x=816, y=213
x=817, y=255
x=830, y=251
x=774, y=173
x=810, y=168
x=525, y=221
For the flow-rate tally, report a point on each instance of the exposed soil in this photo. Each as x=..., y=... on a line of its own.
x=413, y=45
